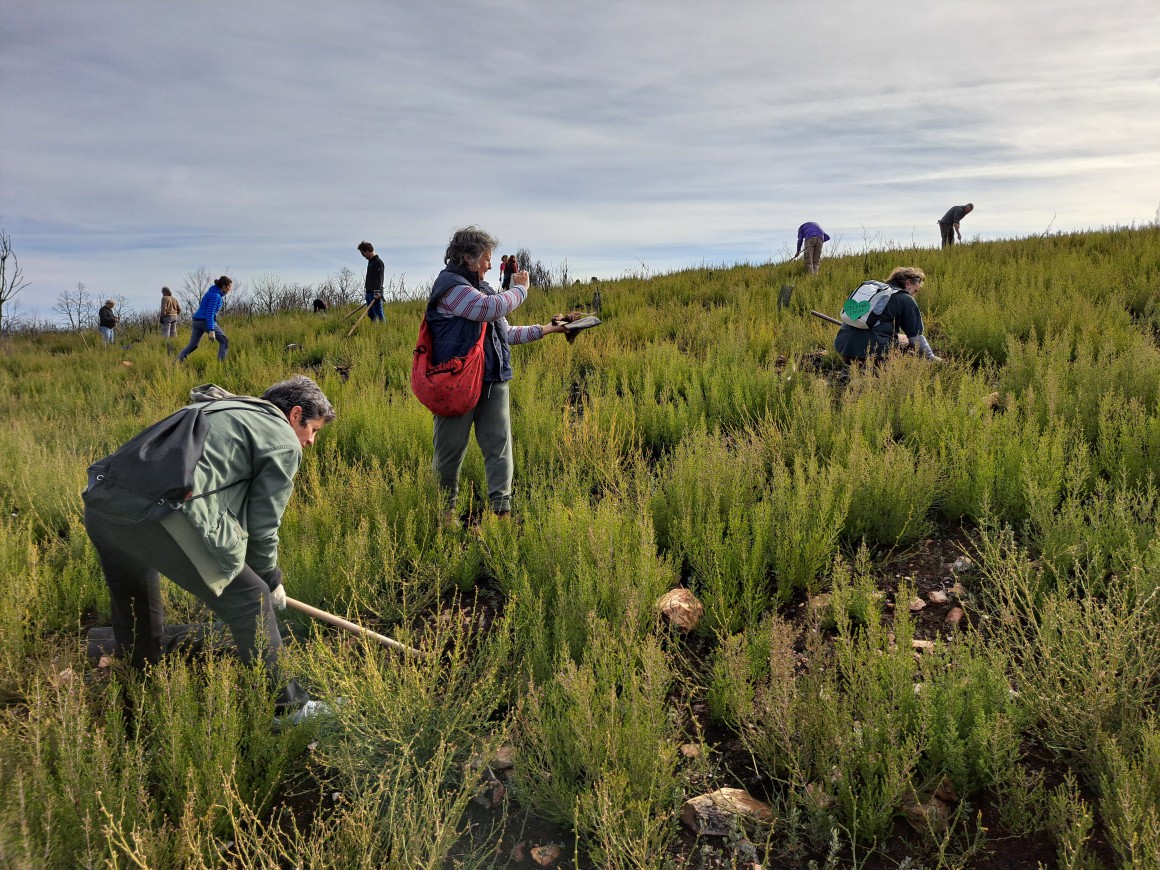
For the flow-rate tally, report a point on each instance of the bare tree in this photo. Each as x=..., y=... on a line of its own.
x=538, y=273
x=195, y=283
x=76, y=307
x=11, y=278
x=265, y=294
x=341, y=288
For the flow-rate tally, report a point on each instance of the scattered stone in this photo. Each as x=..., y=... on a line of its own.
x=930, y=816
x=126, y=364
x=922, y=645
x=711, y=814
x=104, y=661
x=546, y=856
x=917, y=604
x=937, y=596
x=820, y=602
x=518, y=851
x=963, y=565
x=291, y=346
x=504, y=758
x=681, y=608
x=955, y=616
x=691, y=750
x=946, y=791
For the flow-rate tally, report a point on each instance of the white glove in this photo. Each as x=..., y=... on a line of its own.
x=278, y=598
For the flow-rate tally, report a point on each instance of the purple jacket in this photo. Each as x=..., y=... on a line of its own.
x=809, y=231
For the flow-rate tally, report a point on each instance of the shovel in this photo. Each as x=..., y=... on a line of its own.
x=347, y=625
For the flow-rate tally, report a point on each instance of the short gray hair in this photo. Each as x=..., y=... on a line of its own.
x=303, y=392
x=469, y=242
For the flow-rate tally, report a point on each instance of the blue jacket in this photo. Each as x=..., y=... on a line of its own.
x=453, y=336
x=211, y=304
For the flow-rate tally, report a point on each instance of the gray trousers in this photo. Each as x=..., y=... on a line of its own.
x=133, y=556
x=493, y=431
x=199, y=329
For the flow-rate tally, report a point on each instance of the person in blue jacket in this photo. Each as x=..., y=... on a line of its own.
x=205, y=319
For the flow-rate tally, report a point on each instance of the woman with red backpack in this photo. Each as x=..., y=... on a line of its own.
x=462, y=310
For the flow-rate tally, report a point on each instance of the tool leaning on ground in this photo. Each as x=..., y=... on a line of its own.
x=347, y=625
x=826, y=317
x=358, y=320
x=575, y=322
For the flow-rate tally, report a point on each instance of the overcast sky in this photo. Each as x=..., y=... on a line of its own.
x=140, y=141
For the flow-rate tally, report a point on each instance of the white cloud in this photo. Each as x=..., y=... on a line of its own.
x=143, y=140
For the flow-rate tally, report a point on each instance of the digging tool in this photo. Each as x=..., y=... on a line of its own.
x=826, y=317
x=347, y=625
x=353, y=312
x=358, y=320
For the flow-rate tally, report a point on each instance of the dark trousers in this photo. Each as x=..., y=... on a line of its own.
x=134, y=555
x=199, y=329
x=947, y=232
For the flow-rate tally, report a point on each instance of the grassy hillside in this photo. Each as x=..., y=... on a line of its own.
x=700, y=437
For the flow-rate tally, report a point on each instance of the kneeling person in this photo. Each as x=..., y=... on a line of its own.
x=222, y=545
x=901, y=315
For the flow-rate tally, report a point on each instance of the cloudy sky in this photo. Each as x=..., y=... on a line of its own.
x=141, y=140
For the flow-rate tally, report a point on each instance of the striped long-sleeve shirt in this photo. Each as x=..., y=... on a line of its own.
x=471, y=304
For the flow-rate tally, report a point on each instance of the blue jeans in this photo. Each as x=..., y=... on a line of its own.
x=106, y=333
x=199, y=329
x=376, y=312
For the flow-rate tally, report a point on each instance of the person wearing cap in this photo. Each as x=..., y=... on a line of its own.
x=107, y=321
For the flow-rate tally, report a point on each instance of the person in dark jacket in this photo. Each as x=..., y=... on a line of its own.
x=948, y=225
x=811, y=236
x=107, y=321
x=205, y=319
x=507, y=270
x=461, y=304
x=901, y=315
x=376, y=277
x=222, y=546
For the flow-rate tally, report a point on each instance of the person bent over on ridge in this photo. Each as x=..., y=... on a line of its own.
x=462, y=304
x=901, y=315
x=811, y=236
x=205, y=319
x=222, y=544
x=948, y=225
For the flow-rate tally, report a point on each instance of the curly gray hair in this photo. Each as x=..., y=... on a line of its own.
x=469, y=243
x=303, y=392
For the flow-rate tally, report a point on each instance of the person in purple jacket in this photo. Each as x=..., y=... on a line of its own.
x=811, y=236
x=205, y=319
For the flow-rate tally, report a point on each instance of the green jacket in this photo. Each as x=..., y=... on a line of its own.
x=241, y=486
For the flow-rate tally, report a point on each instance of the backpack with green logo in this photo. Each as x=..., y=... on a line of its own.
x=866, y=304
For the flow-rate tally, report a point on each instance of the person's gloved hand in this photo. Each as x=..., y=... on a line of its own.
x=273, y=579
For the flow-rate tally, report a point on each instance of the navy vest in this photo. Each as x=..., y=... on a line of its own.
x=453, y=336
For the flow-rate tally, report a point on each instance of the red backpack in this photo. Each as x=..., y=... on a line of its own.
x=450, y=388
